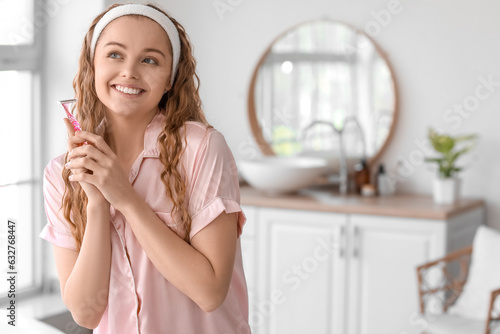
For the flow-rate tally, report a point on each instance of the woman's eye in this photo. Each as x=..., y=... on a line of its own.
x=149, y=61
x=114, y=55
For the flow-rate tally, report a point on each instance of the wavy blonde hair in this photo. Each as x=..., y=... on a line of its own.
x=180, y=104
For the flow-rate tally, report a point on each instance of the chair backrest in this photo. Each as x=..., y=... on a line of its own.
x=452, y=278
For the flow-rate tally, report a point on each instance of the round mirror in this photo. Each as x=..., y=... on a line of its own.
x=319, y=82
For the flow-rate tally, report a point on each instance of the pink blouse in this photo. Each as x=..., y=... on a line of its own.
x=140, y=299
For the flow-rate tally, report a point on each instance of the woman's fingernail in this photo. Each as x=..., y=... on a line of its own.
x=71, y=177
x=67, y=164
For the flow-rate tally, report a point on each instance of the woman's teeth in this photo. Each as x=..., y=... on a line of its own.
x=128, y=90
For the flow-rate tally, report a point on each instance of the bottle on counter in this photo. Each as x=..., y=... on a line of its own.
x=385, y=185
x=361, y=175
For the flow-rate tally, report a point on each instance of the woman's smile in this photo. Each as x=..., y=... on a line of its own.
x=127, y=90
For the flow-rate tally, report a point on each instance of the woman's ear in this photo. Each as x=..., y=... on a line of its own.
x=167, y=88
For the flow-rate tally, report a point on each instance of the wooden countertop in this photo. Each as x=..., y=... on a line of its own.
x=399, y=205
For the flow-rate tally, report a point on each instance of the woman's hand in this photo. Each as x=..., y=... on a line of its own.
x=93, y=194
x=104, y=172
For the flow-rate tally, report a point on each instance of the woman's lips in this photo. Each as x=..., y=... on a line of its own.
x=128, y=90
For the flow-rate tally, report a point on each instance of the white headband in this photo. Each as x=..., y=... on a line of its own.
x=153, y=14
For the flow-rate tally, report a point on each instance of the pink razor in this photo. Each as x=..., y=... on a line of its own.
x=67, y=104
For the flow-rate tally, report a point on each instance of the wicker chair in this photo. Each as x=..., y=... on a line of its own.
x=454, y=269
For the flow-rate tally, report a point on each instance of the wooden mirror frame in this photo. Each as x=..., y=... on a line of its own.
x=252, y=113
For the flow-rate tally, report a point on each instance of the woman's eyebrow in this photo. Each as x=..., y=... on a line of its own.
x=145, y=50
x=154, y=50
x=117, y=44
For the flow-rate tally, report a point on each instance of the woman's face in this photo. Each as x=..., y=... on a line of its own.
x=132, y=62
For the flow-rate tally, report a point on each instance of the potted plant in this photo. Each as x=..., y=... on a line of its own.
x=446, y=186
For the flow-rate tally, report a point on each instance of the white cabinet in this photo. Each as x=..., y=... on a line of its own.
x=300, y=271
x=384, y=253
x=248, y=252
x=340, y=273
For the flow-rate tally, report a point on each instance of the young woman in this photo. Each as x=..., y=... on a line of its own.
x=143, y=210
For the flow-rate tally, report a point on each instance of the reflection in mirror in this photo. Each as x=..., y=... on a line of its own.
x=329, y=72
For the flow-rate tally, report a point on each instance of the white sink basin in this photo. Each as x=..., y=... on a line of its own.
x=275, y=175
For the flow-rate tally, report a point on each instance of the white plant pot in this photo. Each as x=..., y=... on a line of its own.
x=446, y=190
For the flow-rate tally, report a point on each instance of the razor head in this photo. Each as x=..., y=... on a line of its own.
x=67, y=107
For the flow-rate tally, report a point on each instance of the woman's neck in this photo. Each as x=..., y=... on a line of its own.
x=126, y=136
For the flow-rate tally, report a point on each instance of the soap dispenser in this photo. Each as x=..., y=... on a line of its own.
x=385, y=185
x=361, y=175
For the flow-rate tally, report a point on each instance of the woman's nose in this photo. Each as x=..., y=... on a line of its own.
x=130, y=70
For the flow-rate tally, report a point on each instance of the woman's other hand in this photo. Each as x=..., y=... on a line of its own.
x=93, y=194
x=102, y=167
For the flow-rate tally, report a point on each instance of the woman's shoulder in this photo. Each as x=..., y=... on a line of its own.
x=196, y=127
x=202, y=139
x=198, y=133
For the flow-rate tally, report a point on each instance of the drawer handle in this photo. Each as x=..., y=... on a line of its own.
x=355, y=248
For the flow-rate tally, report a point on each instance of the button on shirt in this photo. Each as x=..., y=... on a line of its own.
x=140, y=299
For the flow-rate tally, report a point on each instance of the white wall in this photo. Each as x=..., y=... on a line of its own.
x=438, y=50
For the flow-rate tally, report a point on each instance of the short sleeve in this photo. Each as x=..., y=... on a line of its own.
x=214, y=184
x=57, y=230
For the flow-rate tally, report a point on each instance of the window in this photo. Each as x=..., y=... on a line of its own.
x=20, y=149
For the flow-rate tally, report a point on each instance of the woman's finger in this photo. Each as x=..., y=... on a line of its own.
x=77, y=170
x=69, y=127
x=74, y=142
x=71, y=134
x=98, y=141
x=84, y=163
x=88, y=151
x=82, y=177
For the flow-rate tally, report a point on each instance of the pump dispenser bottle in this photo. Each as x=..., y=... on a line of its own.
x=361, y=175
x=385, y=185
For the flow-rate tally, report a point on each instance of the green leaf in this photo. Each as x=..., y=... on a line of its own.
x=441, y=143
x=465, y=138
x=445, y=145
x=438, y=160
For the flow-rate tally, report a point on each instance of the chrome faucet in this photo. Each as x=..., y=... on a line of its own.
x=354, y=119
x=343, y=160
